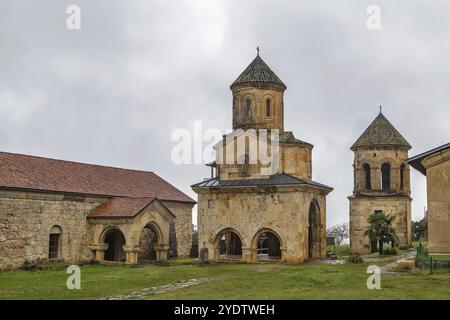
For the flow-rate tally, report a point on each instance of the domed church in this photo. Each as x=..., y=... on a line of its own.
x=251, y=211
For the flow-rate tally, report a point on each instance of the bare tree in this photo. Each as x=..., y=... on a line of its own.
x=338, y=233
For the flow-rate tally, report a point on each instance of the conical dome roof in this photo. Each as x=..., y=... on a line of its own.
x=258, y=72
x=381, y=133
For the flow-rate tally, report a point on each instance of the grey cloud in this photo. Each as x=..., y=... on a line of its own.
x=113, y=92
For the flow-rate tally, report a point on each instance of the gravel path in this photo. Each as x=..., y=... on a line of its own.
x=143, y=293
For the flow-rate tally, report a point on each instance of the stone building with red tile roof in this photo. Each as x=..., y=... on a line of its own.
x=61, y=210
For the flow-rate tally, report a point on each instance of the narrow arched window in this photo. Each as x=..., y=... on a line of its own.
x=386, y=177
x=244, y=166
x=54, y=243
x=367, y=182
x=248, y=108
x=402, y=178
x=268, y=108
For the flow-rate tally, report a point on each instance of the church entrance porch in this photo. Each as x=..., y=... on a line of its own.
x=134, y=237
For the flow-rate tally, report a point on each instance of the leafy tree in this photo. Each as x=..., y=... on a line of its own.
x=381, y=229
x=419, y=229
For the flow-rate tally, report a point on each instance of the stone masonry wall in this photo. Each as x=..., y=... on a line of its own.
x=438, y=192
x=25, y=222
x=361, y=208
x=181, y=229
x=285, y=213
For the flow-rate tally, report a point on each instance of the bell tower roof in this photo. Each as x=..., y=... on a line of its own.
x=381, y=133
x=257, y=73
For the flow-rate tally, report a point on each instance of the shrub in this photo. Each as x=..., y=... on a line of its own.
x=390, y=252
x=355, y=258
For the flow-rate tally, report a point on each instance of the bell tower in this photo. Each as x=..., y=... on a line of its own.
x=381, y=183
x=258, y=98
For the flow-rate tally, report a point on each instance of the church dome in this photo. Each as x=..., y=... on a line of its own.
x=381, y=133
x=258, y=74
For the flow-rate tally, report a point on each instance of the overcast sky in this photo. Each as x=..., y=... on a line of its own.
x=113, y=92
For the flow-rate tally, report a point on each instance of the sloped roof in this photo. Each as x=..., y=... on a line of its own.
x=416, y=161
x=37, y=173
x=121, y=207
x=381, y=133
x=288, y=137
x=276, y=179
x=258, y=72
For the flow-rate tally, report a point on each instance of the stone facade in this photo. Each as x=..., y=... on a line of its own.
x=26, y=219
x=435, y=164
x=182, y=235
x=362, y=207
x=438, y=192
x=251, y=211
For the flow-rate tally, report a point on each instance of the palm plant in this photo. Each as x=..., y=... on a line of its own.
x=381, y=229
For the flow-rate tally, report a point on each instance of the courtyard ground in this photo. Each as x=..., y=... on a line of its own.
x=184, y=279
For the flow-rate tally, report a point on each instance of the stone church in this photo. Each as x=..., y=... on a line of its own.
x=381, y=183
x=74, y=212
x=246, y=214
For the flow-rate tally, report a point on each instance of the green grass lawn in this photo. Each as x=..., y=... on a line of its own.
x=438, y=257
x=341, y=250
x=230, y=281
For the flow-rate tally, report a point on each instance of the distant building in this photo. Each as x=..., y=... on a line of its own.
x=435, y=165
x=381, y=183
x=74, y=212
x=245, y=215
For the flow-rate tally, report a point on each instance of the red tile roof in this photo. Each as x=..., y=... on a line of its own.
x=121, y=207
x=37, y=173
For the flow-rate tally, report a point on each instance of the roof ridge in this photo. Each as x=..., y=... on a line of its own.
x=74, y=162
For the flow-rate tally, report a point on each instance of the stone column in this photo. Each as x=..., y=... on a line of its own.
x=162, y=251
x=99, y=251
x=131, y=254
x=248, y=254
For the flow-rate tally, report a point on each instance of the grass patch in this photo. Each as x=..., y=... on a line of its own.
x=341, y=250
x=231, y=281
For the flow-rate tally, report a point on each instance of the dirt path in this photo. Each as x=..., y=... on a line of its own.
x=388, y=267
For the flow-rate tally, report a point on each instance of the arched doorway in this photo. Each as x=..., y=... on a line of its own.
x=314, y=230
x=229, y=245
x=147, y=241
x=268, y=246
x=115, y=240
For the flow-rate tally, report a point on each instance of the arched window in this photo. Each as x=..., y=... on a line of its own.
x=248, y=108
x=268, y=108
x=54, y=243
x=244, y=166
x=402, y=178
x=367, y=182
x=386, y=177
